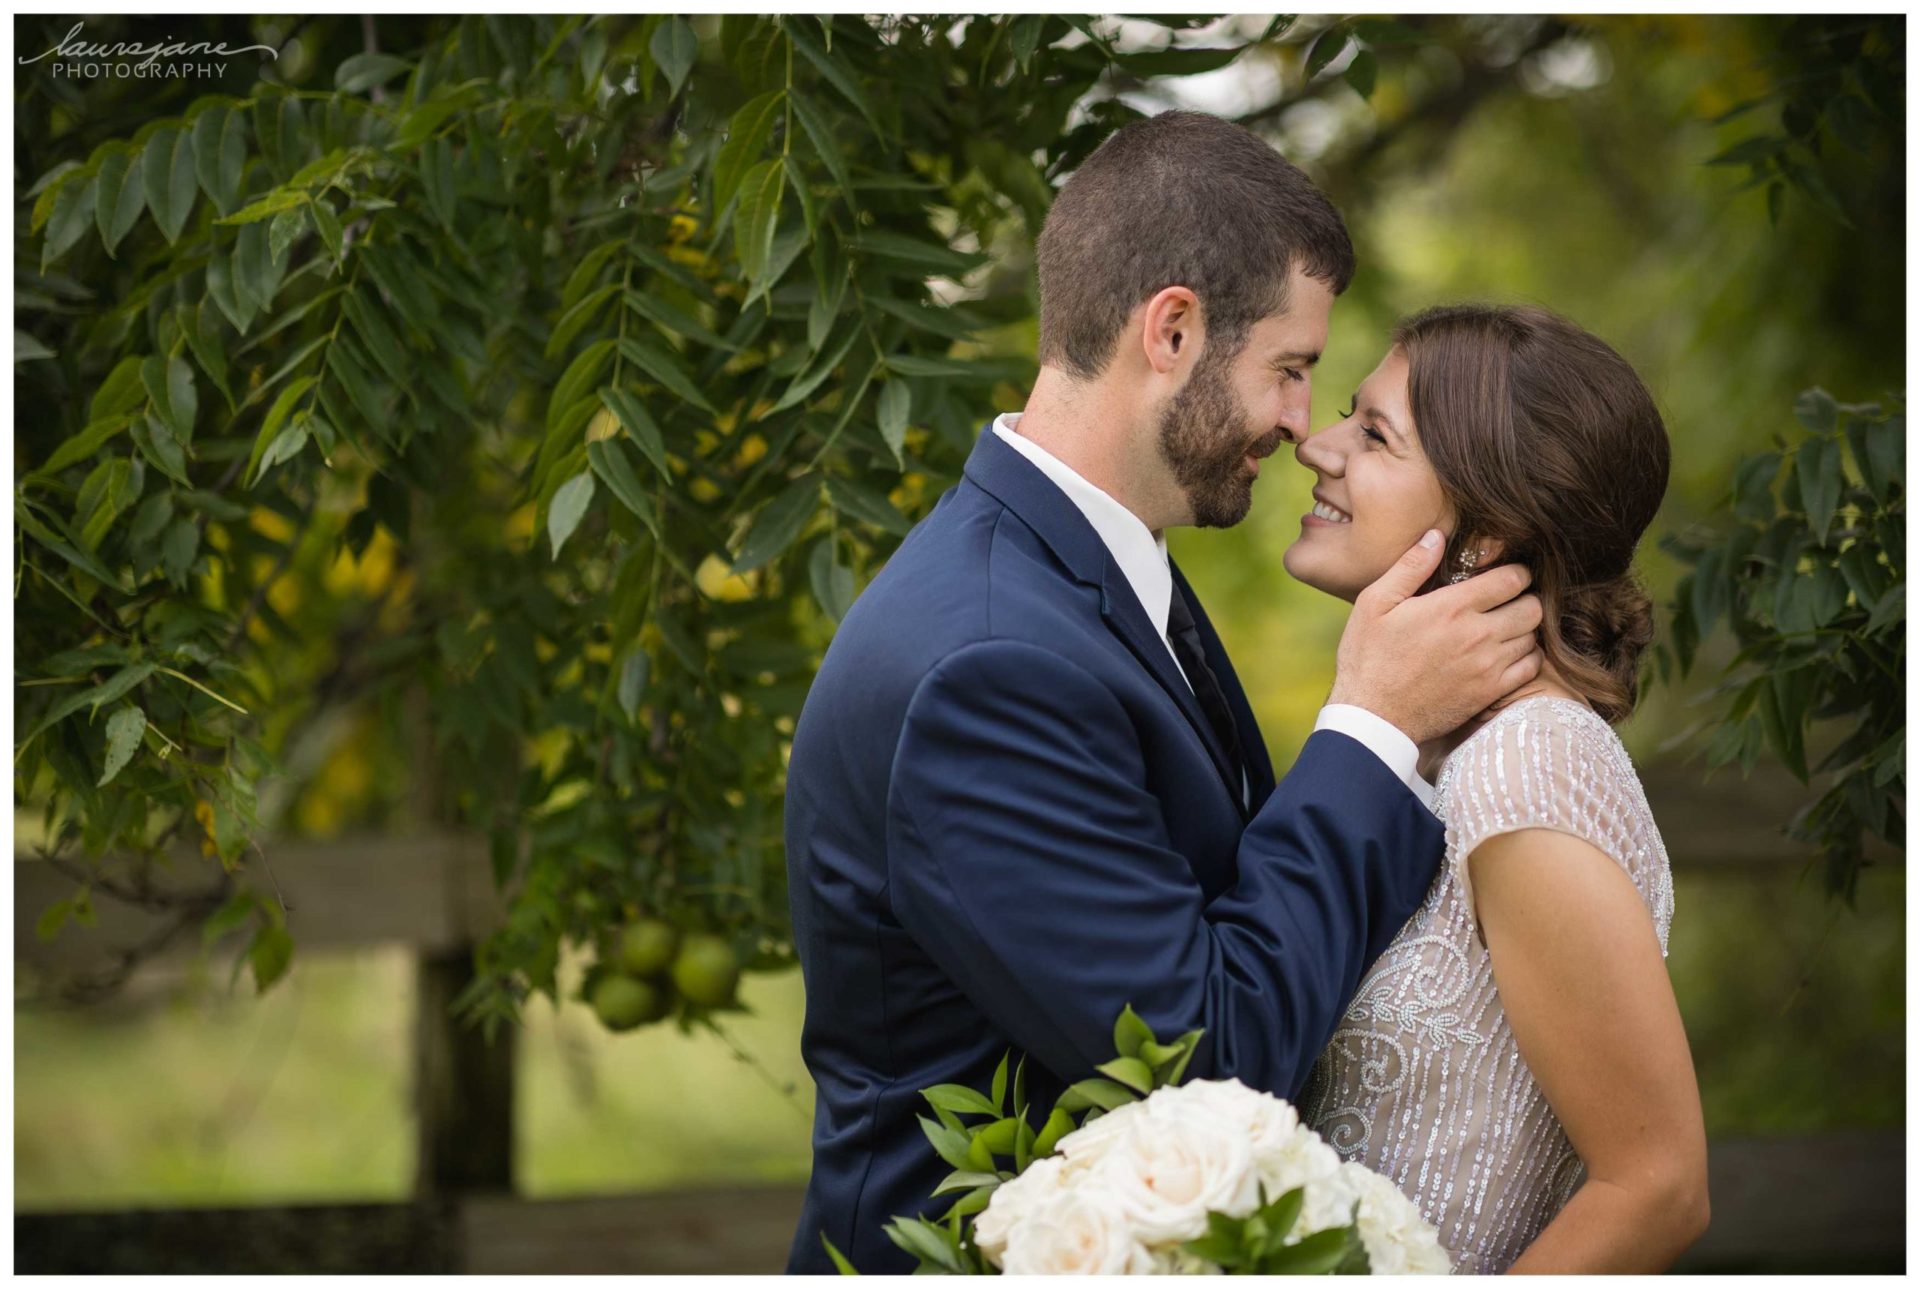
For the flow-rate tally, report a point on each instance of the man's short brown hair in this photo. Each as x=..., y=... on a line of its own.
x=1180, y=199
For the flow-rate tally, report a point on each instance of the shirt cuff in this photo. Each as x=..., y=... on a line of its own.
x=1380, y=737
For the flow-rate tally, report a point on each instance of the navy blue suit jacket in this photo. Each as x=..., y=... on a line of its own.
x=1007, y=818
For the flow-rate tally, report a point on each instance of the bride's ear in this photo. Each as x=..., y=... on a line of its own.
x=1472, y=553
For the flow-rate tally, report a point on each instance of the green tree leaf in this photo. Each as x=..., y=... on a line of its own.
x=895, y=407
x=779, y=523
x=747, y=136
x=568, y=508
x=754, y=223
x=832, y=583
x=119, y=197
x=674, y=49
x=72, y=214
x=270, y=954
x=167, y=170
x=361, y=72
x=665, y=368
x=169, y=383
x=124, y=729
x=609, y=461
x=1820, y=480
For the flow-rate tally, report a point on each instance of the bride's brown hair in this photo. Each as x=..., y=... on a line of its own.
x=1546, y=441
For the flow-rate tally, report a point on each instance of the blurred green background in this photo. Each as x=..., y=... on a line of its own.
x=1571, y=176
x=1796, y=1016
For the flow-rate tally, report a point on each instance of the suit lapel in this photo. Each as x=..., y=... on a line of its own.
x=1020, y=486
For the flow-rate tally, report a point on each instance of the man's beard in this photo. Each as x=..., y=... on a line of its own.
x=1204, y=440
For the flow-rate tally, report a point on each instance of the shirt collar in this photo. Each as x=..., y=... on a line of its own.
x=1140, y=556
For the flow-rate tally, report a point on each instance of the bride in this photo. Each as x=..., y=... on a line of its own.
x=1515, y=1060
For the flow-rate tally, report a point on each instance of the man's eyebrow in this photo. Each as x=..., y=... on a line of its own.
x=1296, y=358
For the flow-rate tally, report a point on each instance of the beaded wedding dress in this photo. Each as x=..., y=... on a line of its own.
x=1422, y=1081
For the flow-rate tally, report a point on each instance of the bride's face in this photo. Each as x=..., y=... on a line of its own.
x=1376, y=493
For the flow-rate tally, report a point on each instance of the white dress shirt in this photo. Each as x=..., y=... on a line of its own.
x=1142, y=559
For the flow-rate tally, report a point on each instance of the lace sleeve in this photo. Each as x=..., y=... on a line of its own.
x=1555, y=764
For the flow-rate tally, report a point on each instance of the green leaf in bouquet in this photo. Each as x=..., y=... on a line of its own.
x=979, y=1157
x=840, y=1262
x=1020, y=1088
x=999, y=1094
x=1023, y=1144
x=1225, y=1242
x=1058, y=1125
x=1102, y=1093
x=1281, y=1214
x=1316, y=1255
x=951, y=1145
x=966, y=1179
x=972, y=1202
x=959, y=1099
x=1188, y=1042
x=1131, y=1034
x=999, y=1136
x=1159, y=1055
x=926, y=1242
x=1130, y=1072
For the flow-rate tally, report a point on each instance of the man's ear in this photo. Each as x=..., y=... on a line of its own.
x=1171, y=332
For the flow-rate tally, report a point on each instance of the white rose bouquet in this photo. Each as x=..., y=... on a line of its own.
x=1156, y=1178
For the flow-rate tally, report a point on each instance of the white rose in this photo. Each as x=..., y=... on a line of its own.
x=1012, y=1202
x=1267, y=1120
x=1399, y=1241
x=1080, y=1230
x=1301, y=1158
x=1175, y=1163
x=1088, y=1145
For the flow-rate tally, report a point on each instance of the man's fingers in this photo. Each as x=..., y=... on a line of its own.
x=1409, y=573
x=1521, y=672
x=1483, y=591
x=1516, y=620
x=1511, y=651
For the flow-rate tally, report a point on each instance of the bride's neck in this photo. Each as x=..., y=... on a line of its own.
x=1549, y=683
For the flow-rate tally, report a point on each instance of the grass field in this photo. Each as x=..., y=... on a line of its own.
x=184, y=1094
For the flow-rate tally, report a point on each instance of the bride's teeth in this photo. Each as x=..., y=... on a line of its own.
x=1322, y=510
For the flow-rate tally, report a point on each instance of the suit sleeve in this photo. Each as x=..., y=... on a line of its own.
x=1029, y=859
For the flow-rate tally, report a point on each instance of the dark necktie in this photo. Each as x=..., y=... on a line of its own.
x=1185, y=637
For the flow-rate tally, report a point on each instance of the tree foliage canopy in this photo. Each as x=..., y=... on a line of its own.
x=572, y=373
x=516, y=402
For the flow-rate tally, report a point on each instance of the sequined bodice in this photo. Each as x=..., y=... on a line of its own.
x=1422, y=1080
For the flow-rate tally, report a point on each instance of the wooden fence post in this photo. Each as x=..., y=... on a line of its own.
x=463, y=1087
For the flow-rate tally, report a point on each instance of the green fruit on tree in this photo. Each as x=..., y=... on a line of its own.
x=706, y=971
x=623, y=1003
x=646, y=947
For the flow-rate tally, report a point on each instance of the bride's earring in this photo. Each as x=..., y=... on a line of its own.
x=1468, y=558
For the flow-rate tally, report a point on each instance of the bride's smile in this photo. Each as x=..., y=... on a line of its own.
x=1376, y=492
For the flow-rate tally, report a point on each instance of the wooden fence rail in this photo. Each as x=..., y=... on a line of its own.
x=1828, y=1203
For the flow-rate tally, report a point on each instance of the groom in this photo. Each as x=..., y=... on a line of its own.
x=1027, y=789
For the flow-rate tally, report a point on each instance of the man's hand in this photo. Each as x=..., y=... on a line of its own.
x=1428, y=663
